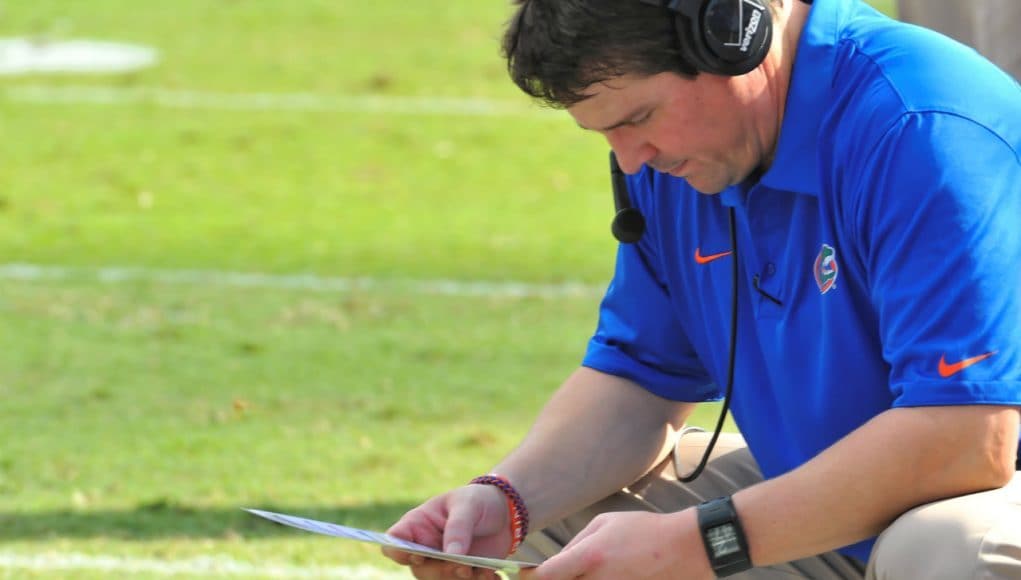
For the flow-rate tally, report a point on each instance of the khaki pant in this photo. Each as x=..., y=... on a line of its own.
x=989, y=26
x=976, y=536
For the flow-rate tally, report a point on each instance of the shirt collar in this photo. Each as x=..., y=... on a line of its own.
x=794, y=167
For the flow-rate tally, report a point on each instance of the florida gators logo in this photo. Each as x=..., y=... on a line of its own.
x=826, y=268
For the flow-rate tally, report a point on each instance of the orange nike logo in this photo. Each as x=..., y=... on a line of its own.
x=948, y=370
x=700, y=259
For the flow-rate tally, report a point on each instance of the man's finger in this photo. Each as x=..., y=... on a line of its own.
x=430, y=569
x=528, y=574
x=461, y=522
x=571, y=563
x=402, y=558
x=414, y=528
x=584, y=533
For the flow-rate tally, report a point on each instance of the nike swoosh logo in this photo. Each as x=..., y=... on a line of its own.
x=949, y=370
x=700, y=259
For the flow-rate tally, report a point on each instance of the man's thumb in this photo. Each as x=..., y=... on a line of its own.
x=461, y=522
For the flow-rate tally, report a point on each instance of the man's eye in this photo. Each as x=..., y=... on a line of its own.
x=641, y=119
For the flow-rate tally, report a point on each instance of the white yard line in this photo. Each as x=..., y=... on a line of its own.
x=203, y=566
x=307, y=102
x=311, y=282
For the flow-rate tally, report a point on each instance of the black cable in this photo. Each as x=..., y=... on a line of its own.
x=733, y=355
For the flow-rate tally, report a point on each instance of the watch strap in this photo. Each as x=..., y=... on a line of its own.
x=723, y=537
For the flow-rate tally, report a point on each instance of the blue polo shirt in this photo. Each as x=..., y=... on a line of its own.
x=888, y=228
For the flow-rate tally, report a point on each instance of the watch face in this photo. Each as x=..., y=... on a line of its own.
x=723, y=540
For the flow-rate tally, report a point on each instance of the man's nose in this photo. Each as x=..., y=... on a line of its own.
x=631, y=153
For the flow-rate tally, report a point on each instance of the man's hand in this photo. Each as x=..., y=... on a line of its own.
x=468, y=520
x=631, y=545
x=577, y=452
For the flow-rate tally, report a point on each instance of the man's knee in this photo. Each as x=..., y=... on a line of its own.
x=976, y=536
x=924, y=546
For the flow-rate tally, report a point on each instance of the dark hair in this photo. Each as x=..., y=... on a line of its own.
x=555, y=49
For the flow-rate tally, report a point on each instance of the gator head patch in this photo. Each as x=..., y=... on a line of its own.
x=826, y=268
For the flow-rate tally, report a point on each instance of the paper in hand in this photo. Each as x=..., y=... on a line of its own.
x=339, y=531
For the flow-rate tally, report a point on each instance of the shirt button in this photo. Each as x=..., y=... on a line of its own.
x=770, y=269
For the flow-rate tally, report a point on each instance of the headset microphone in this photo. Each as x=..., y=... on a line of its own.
x=628, y=223
x=628, y=227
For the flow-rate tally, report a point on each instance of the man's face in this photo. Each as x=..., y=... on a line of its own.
x=701, y=129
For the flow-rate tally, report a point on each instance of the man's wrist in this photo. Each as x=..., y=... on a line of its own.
x=517, y=512
x=723, y=537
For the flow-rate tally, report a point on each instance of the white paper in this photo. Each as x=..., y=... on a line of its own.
x=339, y=531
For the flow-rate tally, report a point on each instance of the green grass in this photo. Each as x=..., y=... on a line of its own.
x=199, y=401
x=138, y=417
x=330, y=193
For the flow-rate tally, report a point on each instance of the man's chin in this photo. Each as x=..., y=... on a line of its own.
x=704, y=186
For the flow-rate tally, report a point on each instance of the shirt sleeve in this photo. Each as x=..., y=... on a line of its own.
x=940, y=219
x=639, y=336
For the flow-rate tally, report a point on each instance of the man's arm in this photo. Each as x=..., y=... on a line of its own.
x=900, y=459
x=598, y=434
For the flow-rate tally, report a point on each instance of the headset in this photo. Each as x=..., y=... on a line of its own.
x=722, y=37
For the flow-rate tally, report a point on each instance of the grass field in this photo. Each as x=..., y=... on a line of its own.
x=424, y=252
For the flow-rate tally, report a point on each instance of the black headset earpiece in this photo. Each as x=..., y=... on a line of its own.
x=628, y=223
x=723, y=37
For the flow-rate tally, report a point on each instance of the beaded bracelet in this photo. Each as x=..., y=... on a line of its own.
x=515, y=505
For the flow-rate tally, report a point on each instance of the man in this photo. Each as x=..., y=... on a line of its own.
x=858, y=186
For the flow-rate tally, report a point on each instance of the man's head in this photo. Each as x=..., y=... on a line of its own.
x=556, y=49
x=616, y=66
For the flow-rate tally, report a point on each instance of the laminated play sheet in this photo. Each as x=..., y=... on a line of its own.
x=339, y=531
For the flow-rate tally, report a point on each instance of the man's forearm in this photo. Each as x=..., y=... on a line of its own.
x=854, y=489
x=596, y=435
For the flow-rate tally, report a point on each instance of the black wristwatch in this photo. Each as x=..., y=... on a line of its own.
x=723, y=537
